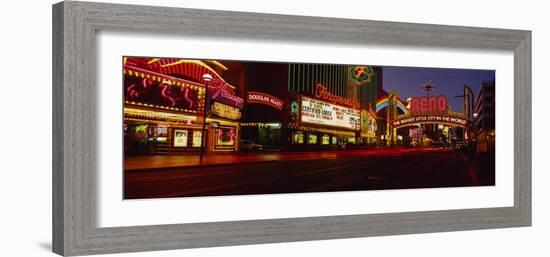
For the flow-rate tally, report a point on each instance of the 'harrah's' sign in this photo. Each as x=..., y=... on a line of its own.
x=321, y=92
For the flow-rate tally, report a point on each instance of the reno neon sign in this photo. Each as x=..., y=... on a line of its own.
x=428, y=104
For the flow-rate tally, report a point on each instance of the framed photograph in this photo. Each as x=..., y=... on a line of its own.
x=184, y=128
x=180, y=138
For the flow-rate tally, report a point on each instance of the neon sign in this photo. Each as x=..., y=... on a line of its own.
x=160, y=93
x=226, y=111
x=262, y=98
x=223, y=92
x=428, y=104
x=322, y=92
x=384, y=101
x=137, y=89
x=360, y=75
x=368, y=122
x=168, y=93
x=429, y=119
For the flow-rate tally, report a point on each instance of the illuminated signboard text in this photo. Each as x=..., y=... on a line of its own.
x=223, y=92
x=442, y=119
x=322, y=92
x=429, y=104
x=226, y=111
x=323, y=113
x=262, y=98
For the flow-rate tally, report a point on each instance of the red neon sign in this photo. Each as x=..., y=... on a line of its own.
x=262, y=98
x=428, y=104
x=322, y=92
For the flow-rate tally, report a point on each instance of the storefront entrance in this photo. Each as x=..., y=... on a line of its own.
x=267, y=135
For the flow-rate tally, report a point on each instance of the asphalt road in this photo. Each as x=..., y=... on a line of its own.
x=414, y=169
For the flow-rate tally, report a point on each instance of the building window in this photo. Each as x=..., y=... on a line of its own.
x=158, y=134
x=312, y=139
x=225, y=137
x=325, y=140
x=298, y=137
x=197, y=137
x=180, y=138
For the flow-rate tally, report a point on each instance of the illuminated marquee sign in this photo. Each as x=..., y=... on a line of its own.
x=429, y=104
x=226, y=111
x=322, y=92
x=323, y=113
x=262, y=98
x=368, y=122
x=442, y=119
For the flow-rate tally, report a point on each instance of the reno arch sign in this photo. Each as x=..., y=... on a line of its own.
x=452, y=120
x=427, y=110
x=428, y=104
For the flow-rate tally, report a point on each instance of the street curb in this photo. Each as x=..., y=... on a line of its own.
x=195, y=166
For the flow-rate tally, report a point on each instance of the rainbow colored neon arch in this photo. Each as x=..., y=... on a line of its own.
x=383, y=103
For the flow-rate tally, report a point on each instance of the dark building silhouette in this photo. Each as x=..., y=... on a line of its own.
x=484, y=122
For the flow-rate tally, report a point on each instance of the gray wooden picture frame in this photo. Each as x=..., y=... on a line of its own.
x=75, y=25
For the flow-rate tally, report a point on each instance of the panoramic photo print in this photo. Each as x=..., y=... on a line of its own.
x=196, y=127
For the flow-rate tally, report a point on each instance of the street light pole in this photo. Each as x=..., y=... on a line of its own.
x=207, y=78
x=471, y=97
x=468, y=103
x=470, y=93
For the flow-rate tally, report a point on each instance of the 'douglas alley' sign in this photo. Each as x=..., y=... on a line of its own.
x=266, y=99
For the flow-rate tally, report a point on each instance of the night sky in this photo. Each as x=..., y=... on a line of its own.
x=407, y=82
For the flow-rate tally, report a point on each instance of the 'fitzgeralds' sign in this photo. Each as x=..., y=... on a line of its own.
x=322, y=92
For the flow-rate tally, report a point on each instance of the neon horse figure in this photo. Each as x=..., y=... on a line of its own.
x=138, y=89
x=180, y=96
x=187, y=97
x=166, y=92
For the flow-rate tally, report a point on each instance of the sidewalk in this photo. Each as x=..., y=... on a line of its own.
x=135, y=163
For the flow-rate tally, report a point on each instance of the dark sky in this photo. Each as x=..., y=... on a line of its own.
x=407, y=82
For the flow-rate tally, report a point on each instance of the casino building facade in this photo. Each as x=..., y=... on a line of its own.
x=311, y=106
x=268, y=106
x=164, y=104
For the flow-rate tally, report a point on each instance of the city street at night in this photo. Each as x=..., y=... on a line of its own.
x=195, y=127
x=370, y=169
